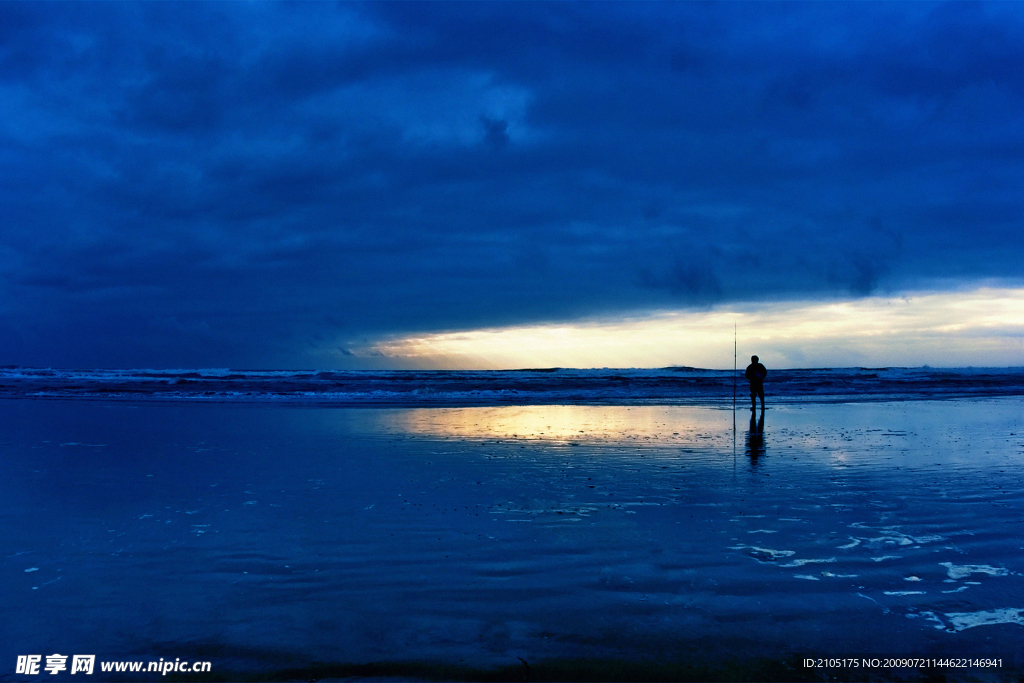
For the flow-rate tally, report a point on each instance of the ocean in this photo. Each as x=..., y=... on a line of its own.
x=542, y=524
x=542, y=386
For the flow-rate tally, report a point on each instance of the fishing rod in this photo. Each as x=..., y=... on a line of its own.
x=734, y=367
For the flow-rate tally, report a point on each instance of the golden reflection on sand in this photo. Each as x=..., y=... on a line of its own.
x=568, y=423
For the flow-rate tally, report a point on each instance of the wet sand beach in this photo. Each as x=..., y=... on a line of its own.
x=266, y=538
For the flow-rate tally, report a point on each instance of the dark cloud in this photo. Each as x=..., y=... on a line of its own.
x=268, y=184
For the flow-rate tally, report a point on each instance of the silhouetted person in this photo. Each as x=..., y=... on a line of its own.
x=756, y=374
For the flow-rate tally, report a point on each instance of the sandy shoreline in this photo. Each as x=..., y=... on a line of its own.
x=473, y=537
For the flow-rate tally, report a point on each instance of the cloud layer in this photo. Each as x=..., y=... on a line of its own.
x=274, y=185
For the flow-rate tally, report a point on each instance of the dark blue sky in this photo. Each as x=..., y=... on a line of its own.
x=278, y=185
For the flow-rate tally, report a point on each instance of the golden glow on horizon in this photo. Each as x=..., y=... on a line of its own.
x=980, y=327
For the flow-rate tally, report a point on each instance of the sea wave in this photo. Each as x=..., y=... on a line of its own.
x=673, y=385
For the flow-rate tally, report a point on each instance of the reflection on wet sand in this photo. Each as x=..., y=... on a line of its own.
x=481, y=534
x=755, y=438
x=654, y=425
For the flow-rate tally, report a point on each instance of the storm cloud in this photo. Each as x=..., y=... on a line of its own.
x=279, y=184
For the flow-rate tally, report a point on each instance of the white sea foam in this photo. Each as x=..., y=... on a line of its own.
x=960, y=621
x=885, y=610
x=965, y=570
x=765, y=554
x=800, y=563
x=930, y=616
x=892, y=536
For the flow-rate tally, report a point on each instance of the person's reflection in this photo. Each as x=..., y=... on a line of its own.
x=755, y=439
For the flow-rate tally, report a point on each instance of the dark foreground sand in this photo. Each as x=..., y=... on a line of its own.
x=549, y=542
